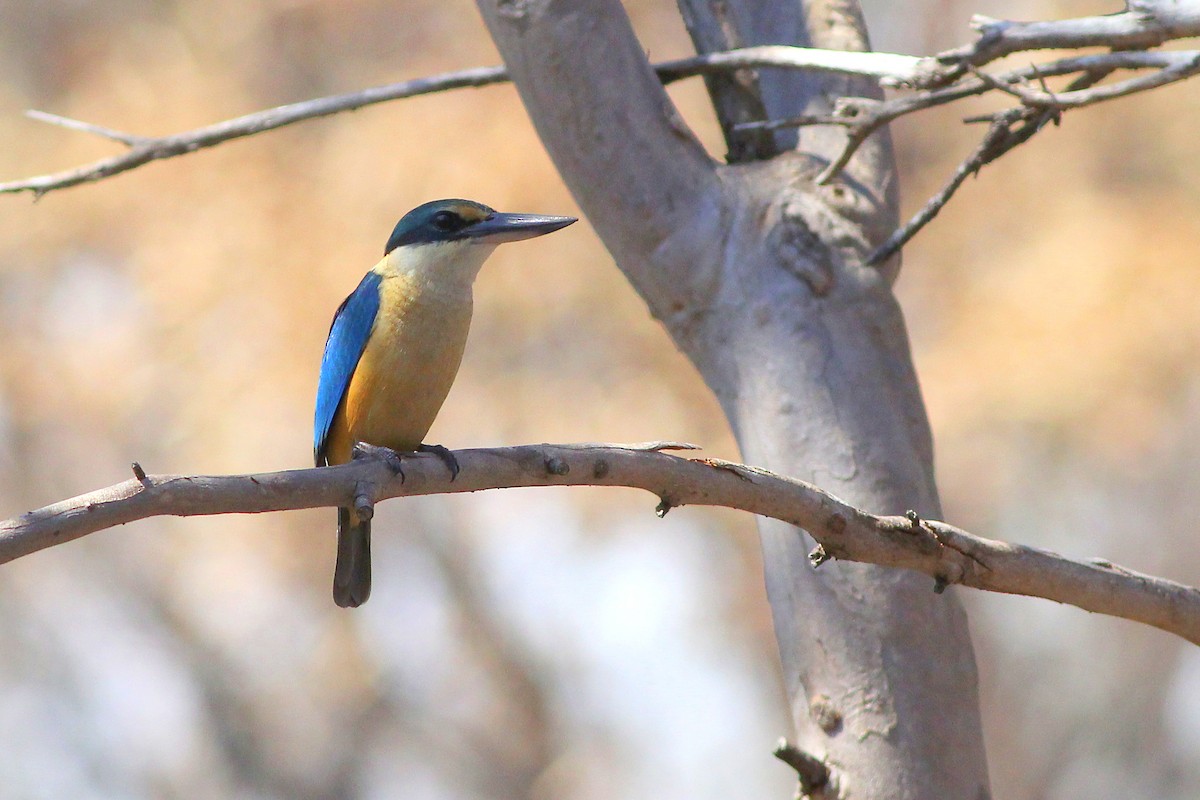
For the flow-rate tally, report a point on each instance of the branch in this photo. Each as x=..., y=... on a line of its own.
x=1008, y=129
x=144, y=149
x=736, y=96
x=862, y=117
x=948, y=77
x=947, y=554
x=1145, y=24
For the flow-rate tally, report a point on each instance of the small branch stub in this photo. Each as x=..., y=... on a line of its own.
x=364, y=501
x=140, y=474
x=810, y=770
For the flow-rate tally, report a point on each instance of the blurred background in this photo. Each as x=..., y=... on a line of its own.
x=540, y=643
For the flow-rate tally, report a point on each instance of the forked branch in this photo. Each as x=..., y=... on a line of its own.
x=945, y=78
x=945, y=553
x=144, y=149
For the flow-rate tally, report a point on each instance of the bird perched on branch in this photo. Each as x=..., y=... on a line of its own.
x=395, y=346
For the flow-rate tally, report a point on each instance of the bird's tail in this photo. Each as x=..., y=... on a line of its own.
x=352, y=574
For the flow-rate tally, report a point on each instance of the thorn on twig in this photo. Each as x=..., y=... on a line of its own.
x=811, y=771
x=663, y=507
x=818, y=556
x=913, y=517
x=140, y=474
x=364, y=503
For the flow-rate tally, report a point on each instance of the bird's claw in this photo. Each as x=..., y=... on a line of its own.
x=444, y=454
x=385, y=454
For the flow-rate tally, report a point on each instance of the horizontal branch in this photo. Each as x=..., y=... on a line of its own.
x=144, y=149
x=1146, y=24
x=945, y=553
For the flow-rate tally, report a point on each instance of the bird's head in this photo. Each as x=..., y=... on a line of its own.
x=465, y=222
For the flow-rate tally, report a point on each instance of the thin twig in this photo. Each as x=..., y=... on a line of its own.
x=1146, y=24
x=889, y=68
x=1000, y=138
x=861, y=117
x=146, y=149
x=128, y=139
x=945, y=553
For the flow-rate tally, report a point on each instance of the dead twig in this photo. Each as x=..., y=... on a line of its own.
x=144, y=149
x=1145, y=24
x=1008, y=129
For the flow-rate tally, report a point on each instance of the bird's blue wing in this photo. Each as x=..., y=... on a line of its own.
x=348, y=337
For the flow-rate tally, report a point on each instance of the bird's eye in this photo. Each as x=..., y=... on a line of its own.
x=445, y=220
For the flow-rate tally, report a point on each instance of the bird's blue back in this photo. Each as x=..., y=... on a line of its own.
x=348, y=337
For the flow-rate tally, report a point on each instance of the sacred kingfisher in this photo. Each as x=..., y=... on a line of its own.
x=395, y=346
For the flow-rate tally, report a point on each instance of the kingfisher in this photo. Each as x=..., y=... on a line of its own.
x=394, y=348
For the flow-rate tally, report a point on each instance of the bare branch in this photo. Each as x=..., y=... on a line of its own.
x=736, y=95
x=895, y=68
x=1000, y=138
x=862, y=116
x=1145, y=24
x=73, y=124
x=945, y=553
x=144, y=149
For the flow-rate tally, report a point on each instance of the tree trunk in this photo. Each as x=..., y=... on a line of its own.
x=757, y=274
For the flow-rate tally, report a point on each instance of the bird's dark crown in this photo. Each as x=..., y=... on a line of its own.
x=437, y=221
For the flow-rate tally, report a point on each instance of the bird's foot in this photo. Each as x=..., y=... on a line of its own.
x=444, y=454
x=385, y=454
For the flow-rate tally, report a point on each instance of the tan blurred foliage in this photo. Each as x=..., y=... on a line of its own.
x=175, y=315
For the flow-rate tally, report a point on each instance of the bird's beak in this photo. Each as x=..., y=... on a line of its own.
x=500, y=228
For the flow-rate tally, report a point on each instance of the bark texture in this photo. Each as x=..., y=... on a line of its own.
x=757, y=274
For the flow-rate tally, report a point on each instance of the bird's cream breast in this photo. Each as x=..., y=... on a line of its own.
x=409, y=363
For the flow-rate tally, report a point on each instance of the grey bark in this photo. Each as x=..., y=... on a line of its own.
x=756, y=273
